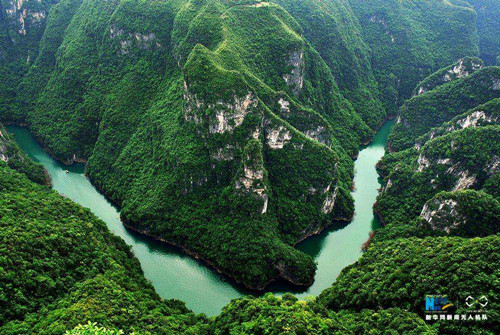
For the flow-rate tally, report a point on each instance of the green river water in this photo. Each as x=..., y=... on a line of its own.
x=176, y=275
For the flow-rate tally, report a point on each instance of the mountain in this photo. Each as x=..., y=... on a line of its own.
x=64, y=271
x=410, y=40
x=399, y=273
x=224, y=127
x=12, y=156
x=461, y=154
x=422, y=112
x=488, y=29
x=57, y=257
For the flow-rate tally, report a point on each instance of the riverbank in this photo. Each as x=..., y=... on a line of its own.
x=174, y=274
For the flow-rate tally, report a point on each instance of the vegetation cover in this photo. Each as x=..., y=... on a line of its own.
x=62, y=271
x=410, y=40
x=421, y=113
x=488, y=29
x=189, y=112
x=60, y=266
x=401, y=272
x=15, y=158
x=225, y=127
x=228, y=128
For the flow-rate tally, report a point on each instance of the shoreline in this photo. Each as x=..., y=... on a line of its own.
x=261, y=288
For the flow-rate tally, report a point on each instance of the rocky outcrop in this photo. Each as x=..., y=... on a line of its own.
x=456, y=213
x=25, y=13
x=461, y=69
x=295, y=79
x=252, y=178
x=442, y=214
x=483, y=115
x=130, y=40
x=277, y=137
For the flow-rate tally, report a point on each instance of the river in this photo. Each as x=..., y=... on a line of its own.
x=176, y=275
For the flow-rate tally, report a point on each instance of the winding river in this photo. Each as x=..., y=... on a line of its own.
x=176, y=275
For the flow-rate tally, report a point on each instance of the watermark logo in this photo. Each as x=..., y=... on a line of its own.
x=440, y=307
x=480, y=302
x=437, y=303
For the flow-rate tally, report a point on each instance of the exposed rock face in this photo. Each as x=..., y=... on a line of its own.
x=442, y=214
x=226, y=116
x=132, y=39
x=231, y=115
x=295, y=79
x=309, y=123
x=463, y=68
x=3, y=148
x=277, y=137
x=476, y=118
x=423, y=163
x=252, y=181
x=23, y=14
x=329, y=202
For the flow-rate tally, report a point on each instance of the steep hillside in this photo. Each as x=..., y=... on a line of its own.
x=488, y=28
x=420, y=113
x=13, y=157
x=62, y=270
x=461, y=69
x=333, y=30
x=412, y=39
x=22, y=24
x=191, y=113
x=401, y=272
x=461, y=154
x=464, y=213
x=56, y=257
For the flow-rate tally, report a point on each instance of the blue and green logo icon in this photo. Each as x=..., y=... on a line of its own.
x=435, y=303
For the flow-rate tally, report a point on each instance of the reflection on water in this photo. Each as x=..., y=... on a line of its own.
x=176, y=275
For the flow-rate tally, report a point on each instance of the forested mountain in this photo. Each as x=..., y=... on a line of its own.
x=214, y=121
x=229, y=128
x=12, y=156
x=61, y=268
x=462, y=153
x=488, y=28
x=80, y=273
x=412, y=39
x=56, y=257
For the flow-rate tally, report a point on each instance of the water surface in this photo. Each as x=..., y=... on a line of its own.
x=176, y=275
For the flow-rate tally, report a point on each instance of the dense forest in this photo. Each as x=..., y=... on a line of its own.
x=225, y=127
x=229, y=128
x=62, y=270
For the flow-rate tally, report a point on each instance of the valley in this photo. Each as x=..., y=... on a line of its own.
x=176, y=275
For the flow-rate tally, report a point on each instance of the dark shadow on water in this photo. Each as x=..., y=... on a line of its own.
x=314, y=244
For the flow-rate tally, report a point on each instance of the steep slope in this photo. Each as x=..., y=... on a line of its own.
x=488, y=28
x=462, y=68
x=63, y=271
x=412, y=39
x=420, y=113
x=459, y=155
x=13, y=157
x=22, y=23
x=464, y=213
x=56, y=257
x=190, y=114
x=333, y=30
x=401, y=272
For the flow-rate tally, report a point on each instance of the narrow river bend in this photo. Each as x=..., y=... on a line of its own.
x=176, y=275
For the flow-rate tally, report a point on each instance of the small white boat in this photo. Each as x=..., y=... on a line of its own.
x=66, y=171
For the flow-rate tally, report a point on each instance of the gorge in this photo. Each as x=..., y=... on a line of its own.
x=176, y=275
